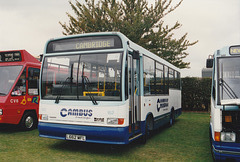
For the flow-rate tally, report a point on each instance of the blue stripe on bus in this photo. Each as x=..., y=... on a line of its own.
x=107, y=135
x=225, y=150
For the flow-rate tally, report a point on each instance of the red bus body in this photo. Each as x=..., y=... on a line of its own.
x=19, y=106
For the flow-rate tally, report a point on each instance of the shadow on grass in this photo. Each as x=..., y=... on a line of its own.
x=113, y=150
x=9, y=128
x=95, y=148
x=162, y=129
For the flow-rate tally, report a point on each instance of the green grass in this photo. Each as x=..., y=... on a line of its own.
x=186, y=140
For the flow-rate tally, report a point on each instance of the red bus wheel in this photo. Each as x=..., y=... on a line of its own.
x=29, y=121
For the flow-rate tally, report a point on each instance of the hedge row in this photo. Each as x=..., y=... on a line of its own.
x=196, y=93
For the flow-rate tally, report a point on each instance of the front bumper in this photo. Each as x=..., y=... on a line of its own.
x=226, y=151
x=107, y=135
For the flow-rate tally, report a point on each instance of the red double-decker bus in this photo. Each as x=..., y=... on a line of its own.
x=19, y=93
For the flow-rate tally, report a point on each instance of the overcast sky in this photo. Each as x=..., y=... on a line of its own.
x=28, y=24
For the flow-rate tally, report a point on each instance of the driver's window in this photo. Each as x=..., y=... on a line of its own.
x=20, y=88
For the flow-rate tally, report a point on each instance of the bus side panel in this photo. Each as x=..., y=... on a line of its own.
x=160, y=107
x=16, y=106
x=215, y=121
x=175, y=101
x=155, y=105
x=14, y=109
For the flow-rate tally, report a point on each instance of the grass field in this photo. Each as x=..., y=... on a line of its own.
x=187, y=140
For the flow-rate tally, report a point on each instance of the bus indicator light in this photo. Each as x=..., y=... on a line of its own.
x=120, y=121
x=217, y=136
x=228, y=119
x=43, y=117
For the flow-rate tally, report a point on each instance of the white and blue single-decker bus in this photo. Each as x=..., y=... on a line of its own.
x=103, y=88
x=225, y=104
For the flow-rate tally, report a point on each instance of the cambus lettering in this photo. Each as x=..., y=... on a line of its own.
x=75, y=112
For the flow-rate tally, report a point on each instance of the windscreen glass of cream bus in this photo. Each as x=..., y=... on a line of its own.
x=75, y=77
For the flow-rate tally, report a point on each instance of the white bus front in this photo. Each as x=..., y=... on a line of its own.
x=81, y=98
x=225, y=108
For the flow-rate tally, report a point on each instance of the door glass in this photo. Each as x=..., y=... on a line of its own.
x=33, y=80
x=20, y=88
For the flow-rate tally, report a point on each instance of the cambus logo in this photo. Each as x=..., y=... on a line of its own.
x=75, y=112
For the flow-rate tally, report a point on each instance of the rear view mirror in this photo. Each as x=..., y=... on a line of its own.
x=41, y=57
x=209, y=62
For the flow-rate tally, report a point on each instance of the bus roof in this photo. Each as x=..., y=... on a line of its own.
x=123, y=38
x=9, y=57
x=228, y=51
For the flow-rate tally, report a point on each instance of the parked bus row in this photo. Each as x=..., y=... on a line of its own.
x=103, y=88
x=98, y=87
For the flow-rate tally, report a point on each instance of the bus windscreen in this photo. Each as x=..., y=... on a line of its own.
x=10, y=74
x=76, y=77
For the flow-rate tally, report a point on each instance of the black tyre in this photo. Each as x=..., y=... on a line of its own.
x=147, y=130
x=145, y=136
x=29, y=121
x=172, y=118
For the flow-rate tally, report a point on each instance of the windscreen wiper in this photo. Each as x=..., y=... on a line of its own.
x=64, y=83
x=227, y=89
x=59, y=95
x=87, y=82
x=3, y=94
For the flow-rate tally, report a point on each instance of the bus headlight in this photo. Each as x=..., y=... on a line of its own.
x=43, y=117
x=228, y=136
x=115, y=121
x=1, y=111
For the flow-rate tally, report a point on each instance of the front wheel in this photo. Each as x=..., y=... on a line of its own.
x=29, y=121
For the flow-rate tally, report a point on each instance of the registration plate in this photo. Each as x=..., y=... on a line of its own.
x=75, y=137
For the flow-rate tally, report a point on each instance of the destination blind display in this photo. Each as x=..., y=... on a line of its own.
x=84, y=43
x=95, y=44
x=10, y=56
x=234, y=50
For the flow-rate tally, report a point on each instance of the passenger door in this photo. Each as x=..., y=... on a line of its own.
x=134, y=90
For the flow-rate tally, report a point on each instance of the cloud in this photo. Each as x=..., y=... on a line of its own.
x=215, y=23
x=28, y=24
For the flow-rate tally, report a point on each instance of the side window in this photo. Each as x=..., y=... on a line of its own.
x=171, y=78
x=178, y=81
x=174, y=79
x=149, y=76
x=159, y=79
x=33, y=78
x=20, y=88
x=166, y=79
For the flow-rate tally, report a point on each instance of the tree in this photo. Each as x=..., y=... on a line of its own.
x=141, y=23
